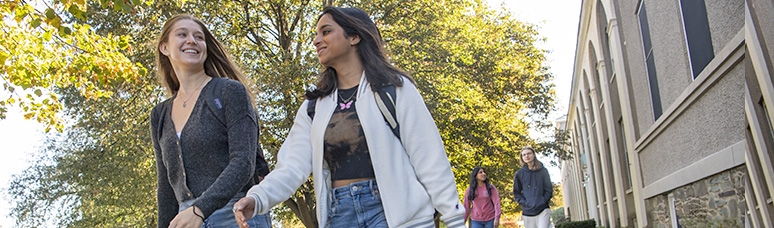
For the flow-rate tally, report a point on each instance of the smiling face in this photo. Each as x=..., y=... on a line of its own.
x=481, y=175
x=332, y=44
x=185, y=45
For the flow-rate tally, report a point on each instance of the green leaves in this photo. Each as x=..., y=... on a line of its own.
x=41, y=53
x=50, y=14
x=481, y=75
x=76, y=11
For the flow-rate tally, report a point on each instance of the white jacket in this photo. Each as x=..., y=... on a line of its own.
x=414, y=178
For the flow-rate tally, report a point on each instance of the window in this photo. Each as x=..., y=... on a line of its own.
x=673, y=211
x=767, y=125
x=625, y=153
x=768, y=118
x=602, y=18
x=697, y=34
x=655, y=97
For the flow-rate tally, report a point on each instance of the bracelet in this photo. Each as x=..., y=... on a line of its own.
x=197, y=214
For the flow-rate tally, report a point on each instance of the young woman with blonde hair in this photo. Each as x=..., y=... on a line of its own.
x=204, y=166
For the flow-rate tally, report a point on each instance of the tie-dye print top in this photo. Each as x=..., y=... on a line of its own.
x=346, y=150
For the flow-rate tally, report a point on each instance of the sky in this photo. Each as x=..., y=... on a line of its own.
x=557, y=21
x=19, y=139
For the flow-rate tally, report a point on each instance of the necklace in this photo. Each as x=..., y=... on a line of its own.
x=194, y=91
x=346, y=103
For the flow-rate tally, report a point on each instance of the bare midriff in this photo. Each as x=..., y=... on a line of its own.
x=339, y=183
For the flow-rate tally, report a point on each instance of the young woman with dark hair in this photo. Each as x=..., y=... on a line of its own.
x=364, y=176
x=482, y=201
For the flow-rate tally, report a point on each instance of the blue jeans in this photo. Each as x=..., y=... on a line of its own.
x=356, y=205
x=224, y=217
x=481, y=224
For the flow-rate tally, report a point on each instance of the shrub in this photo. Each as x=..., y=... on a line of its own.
x=557, y=215
x=578, y=224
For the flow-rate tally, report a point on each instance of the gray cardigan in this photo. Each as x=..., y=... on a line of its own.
x=209, y=163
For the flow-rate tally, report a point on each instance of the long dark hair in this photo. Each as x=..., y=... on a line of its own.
x=370, y=49
x=218, y=63
x=474, y=184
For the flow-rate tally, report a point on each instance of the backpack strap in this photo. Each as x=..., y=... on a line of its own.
x=214, y=103
x=310, y=108
x=385, y=99
x=489, y=190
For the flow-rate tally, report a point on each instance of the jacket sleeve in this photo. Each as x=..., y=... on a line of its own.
x=496, y=201
x=294, y=165
x=165, y=196
x=242, y=134
x=423, y=143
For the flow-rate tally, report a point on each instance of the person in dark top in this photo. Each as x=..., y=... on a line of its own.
x=533, y=190
x=364, y=175
x=203, y=166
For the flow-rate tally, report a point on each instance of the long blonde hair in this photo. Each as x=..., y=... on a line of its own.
x=217, y=65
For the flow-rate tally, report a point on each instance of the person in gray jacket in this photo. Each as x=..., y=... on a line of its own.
x=533, y=190
x=203, y=166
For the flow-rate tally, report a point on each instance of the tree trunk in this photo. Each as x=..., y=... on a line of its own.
x=303, y=211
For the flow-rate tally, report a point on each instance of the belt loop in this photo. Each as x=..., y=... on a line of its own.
x=334, y=199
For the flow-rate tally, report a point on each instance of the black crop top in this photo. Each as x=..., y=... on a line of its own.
x=346, y=150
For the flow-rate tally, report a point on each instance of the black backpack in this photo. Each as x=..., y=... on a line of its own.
x=385, y=99
x=215, y=105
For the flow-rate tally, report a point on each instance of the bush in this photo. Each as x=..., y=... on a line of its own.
x=557, y=215
x=578, y=224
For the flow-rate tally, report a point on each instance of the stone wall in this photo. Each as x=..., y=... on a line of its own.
x=716, y=201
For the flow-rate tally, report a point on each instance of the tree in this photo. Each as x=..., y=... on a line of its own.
x=478, y=70
x=558, y=200
x=482, y=77
x=67, y=162
x=40, y=50
x=100, y=171
x=557, y=205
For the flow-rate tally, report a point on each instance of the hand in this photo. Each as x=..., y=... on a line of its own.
x=243, y=210
x=525, y=205
x=497, y=223
x=187, y=218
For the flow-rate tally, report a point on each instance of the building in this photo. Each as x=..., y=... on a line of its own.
x=670, y=115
